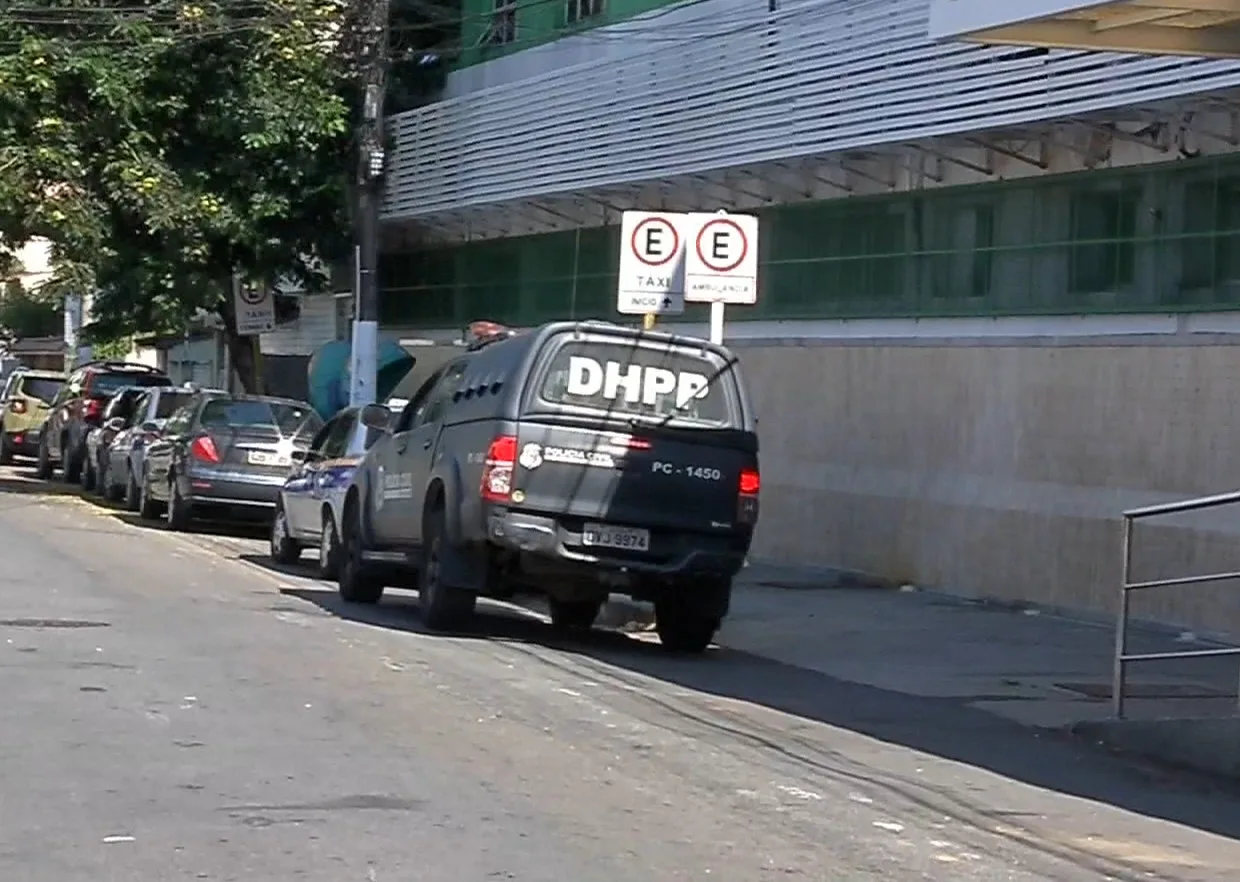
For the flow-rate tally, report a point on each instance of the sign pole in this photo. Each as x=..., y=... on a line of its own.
x=717, y=308
x=648, y=321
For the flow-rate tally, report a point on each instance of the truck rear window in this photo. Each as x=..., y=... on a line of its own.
x=633, y=381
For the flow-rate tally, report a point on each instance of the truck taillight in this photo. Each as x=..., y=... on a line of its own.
x=203, y=450
x=93, y=409
x=750, y=482
x=497, y=470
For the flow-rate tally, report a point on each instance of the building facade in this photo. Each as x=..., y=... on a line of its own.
x=999, y=292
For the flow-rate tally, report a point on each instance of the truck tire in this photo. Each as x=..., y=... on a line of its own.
x=358, y=582
x=72, y=462
x=682, y=629
x=573, y=615
x=6, y=449
x=444, y=607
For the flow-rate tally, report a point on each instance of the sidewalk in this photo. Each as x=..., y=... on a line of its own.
x=1035, y=668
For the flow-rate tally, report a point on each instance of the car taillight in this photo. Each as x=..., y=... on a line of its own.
x=93, y=409
x=498, y=468
x=750, y=482
x=17, y=406
x=203, y=450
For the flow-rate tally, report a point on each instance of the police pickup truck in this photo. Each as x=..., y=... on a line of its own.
x=574, y=460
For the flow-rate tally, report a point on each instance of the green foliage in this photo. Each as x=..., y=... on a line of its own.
x=23, y=314
x=162, y=146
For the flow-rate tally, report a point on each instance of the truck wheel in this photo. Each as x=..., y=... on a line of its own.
x=573, y=615
x=86, y=477
x=6, y=448
x=357, y=582
x=444, y=607
x=683, y=630
x=179, y=512
x=329, y=549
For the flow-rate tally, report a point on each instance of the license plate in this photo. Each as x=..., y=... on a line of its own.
x=262, y=457
x=604, y=536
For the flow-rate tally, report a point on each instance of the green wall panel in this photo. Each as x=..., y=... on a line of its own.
x=1159, y=238
x=537, y=22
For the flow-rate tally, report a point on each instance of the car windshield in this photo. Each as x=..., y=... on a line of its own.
x=42, y=388
x=168, y=403
x=105, y=384
x=282, y=417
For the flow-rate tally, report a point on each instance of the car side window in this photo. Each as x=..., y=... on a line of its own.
x=318, y=442
x=71, y=389
x=437, y=401
x=408, y=416
x=140, y=408
x=338, y=439
x=180, y=420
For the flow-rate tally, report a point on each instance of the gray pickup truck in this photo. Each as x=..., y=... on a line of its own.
x=572, y=461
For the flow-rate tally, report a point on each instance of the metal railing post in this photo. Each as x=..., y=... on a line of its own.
x=1121, y=623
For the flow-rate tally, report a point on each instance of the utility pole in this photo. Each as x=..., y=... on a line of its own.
x=375, y=22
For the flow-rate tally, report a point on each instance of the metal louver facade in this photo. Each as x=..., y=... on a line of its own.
x=734, y=86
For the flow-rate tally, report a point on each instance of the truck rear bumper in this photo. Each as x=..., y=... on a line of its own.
x=560, y=550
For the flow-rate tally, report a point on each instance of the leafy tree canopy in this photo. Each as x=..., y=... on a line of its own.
x=23, y=314
x=164, y=146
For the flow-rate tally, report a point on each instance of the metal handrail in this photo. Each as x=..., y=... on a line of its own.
x=1122, y=655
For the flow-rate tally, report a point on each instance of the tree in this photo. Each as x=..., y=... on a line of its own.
x=23, y=314
x=165, y=148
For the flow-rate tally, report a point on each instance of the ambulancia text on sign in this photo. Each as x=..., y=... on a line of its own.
x=652, y=263
x=721, y=259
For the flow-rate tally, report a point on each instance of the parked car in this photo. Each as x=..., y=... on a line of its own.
x=27, y=400
x=308, y=508
x=117, y=410
x=121, y=463
x=224, y=455
x=572, y=461
x=78, y=408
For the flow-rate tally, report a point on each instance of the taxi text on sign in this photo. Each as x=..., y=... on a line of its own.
x=652, y=263
x=721, y=258
x=255, y=310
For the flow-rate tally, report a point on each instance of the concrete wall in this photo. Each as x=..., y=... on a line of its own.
x=998, y=467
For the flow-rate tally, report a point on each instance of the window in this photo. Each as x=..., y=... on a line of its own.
x=105, y=384
x=287, y=420
x=168, y=401
x=336, y=444
x=503, y=29
x=624, y=381
x=962, y=239
x=581, y=10
x=437, y=401
x=1103, y=254
x=44, y=389
x=180, y=421
x=408, y=417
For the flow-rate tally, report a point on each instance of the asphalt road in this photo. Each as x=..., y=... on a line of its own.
x=173, y=709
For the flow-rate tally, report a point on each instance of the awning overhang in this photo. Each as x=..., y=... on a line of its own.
x=1207, y=28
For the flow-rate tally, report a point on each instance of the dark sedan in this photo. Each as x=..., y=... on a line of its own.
x=224, y=456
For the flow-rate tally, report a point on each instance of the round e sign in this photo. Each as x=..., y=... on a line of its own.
x=721, y=245
x=655, y=241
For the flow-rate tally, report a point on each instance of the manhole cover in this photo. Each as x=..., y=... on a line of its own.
x=1102, y=691
x=51, y=623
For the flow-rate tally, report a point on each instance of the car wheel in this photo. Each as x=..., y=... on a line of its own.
x=179, y=515
x=573, y=615
x=284, y=548
x=357, y=582
x=682, y=630
x=86, y=477
x=6, y=448
x=72, y=462
x=132, y=492
x=148, y=508
x=329, y=549
x=443, y=606
x=43, y=466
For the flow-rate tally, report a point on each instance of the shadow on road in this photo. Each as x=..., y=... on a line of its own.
x=944, y=727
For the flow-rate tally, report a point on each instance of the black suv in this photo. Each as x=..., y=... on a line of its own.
x=79, y=408
x=572, y=461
